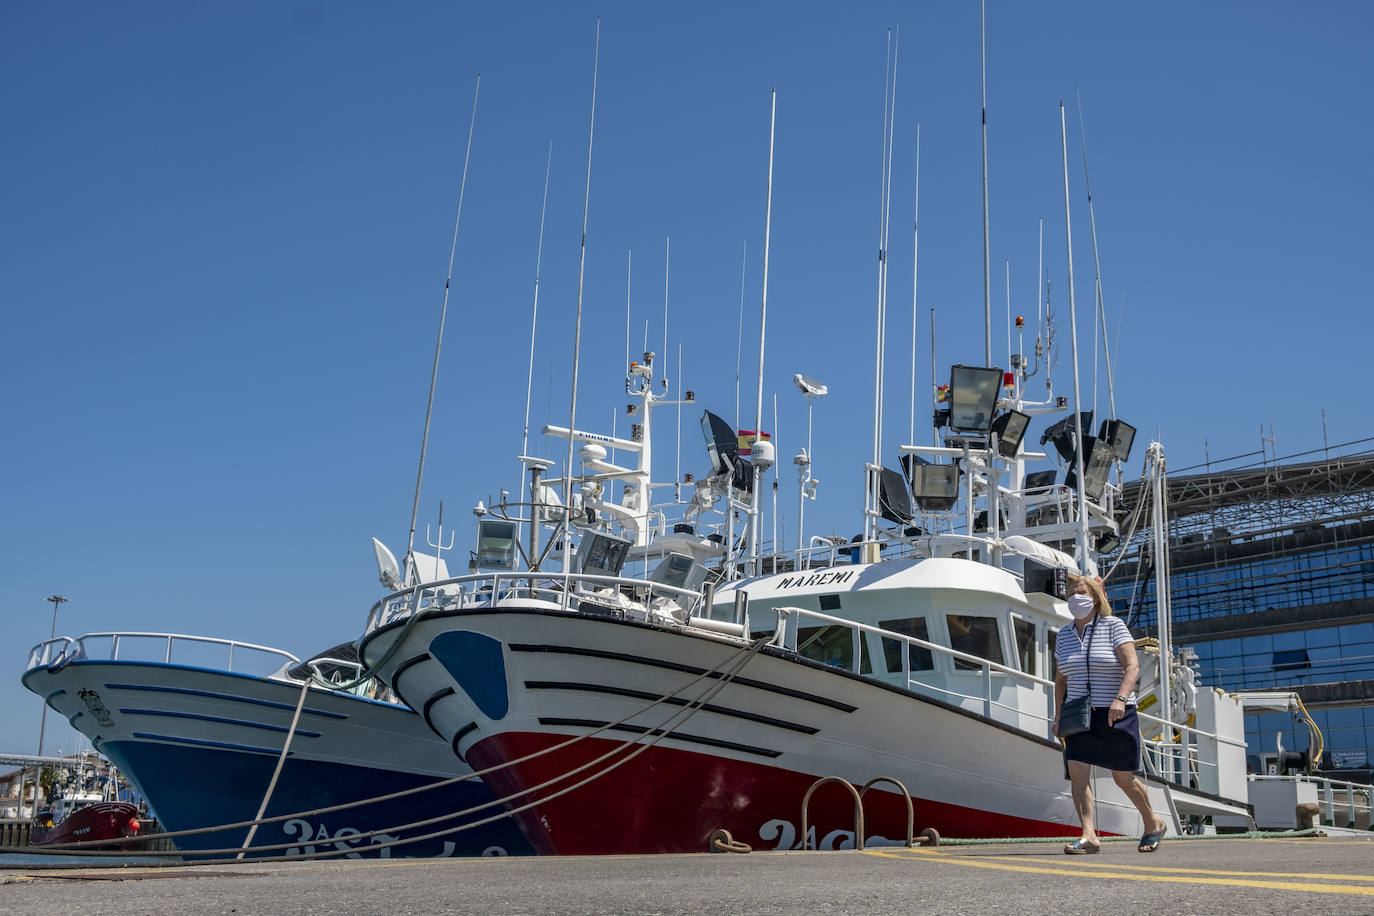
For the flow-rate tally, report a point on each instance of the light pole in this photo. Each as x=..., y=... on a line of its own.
x=57, y=601
x=806, y=484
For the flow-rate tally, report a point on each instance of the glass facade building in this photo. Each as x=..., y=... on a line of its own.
x=1271, y=571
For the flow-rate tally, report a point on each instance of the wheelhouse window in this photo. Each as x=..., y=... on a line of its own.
x=974, y=636
x=919, y=657
x=1024, y=631
x=833, y=645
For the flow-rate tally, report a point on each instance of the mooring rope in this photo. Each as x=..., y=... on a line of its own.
x=281, y=759
x=661, y=731
x=739, y=658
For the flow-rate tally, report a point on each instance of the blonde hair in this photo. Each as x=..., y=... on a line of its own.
x=1100, y=603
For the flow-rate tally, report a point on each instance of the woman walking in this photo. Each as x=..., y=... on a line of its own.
x=1102, y=667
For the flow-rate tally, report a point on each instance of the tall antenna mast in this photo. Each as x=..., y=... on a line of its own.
x=1097, y=266
x=615, y=414
x=1073, y=333
x=763, y=327
x=663, y=363
x=915, y=253
x=439, y=341
x=879, y=358
x=739, y=334
x=577, y=333
x=677, y=465
x=534, y=317
x=987, y=263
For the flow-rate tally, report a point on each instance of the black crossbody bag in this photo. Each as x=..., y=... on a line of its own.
x=1076, y=716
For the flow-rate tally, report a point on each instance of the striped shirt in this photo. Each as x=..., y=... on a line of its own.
x=1071, y=655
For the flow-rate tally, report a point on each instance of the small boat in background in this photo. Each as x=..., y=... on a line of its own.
x=85, y=817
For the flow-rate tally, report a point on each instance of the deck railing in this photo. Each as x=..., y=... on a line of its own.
x=167, y=648
x=568, y=591
x=1179, y=761
x=789, y=625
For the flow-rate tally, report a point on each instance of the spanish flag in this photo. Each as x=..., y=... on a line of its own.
x=746, y=441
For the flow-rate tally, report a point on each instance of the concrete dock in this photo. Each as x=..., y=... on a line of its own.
x=1332, y=875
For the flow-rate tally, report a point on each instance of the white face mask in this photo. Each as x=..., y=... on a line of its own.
x=1081, y=606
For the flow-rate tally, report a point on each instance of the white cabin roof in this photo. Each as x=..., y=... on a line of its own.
x=931, y=573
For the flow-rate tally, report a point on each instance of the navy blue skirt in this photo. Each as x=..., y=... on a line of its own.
x=1113, y=747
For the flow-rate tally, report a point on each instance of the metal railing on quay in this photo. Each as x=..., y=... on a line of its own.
x=1354, y=797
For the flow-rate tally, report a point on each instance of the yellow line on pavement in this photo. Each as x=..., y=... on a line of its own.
x=1124, y=874
x=1306, y=875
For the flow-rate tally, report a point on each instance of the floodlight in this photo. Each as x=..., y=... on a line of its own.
x=1097, y=464
x=1010, y=428
x=1063, y=435
x=1120, y=435
x=722, y=444
x=894, y=502
x=495, y=543
x=935, y=486
x=678, y=571
x=1040, y=480
x=973, y=392
x=602, y=554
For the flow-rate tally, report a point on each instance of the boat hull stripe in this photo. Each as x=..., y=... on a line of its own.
x=228, y=696
x=688, y=669
x=200, y=743
x=458, y=736
x=424, y=710
x=407, y=664
x=672, y=701
x=219, y=719
x=675, y=736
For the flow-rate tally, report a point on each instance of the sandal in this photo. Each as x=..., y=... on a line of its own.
x=1079, y=847
x=1150, y=841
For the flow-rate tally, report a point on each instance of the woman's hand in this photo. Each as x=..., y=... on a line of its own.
x=1054, y=726
x=1115, y=712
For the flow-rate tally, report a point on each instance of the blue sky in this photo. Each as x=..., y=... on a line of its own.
x=227, y=225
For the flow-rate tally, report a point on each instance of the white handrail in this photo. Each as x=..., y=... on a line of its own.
x=488, y=587
x=81, y=647
x=1176, y=751
x=912, y=640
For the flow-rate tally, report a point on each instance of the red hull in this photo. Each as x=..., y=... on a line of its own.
x=101, y=821
x=670, y=800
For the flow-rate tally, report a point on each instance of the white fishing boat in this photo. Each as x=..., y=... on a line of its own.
x=198, y=725
x=932, y=668
x=618, y=710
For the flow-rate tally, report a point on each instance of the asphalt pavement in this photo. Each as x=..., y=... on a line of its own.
x=1333, y=875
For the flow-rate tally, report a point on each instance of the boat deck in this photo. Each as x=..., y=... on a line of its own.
x=1313, y=875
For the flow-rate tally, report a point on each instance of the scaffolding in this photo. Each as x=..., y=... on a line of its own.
x=1247, y=539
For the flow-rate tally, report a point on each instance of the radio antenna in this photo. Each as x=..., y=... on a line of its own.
x=577, y=331
x=439, y=341
x=534, y=317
